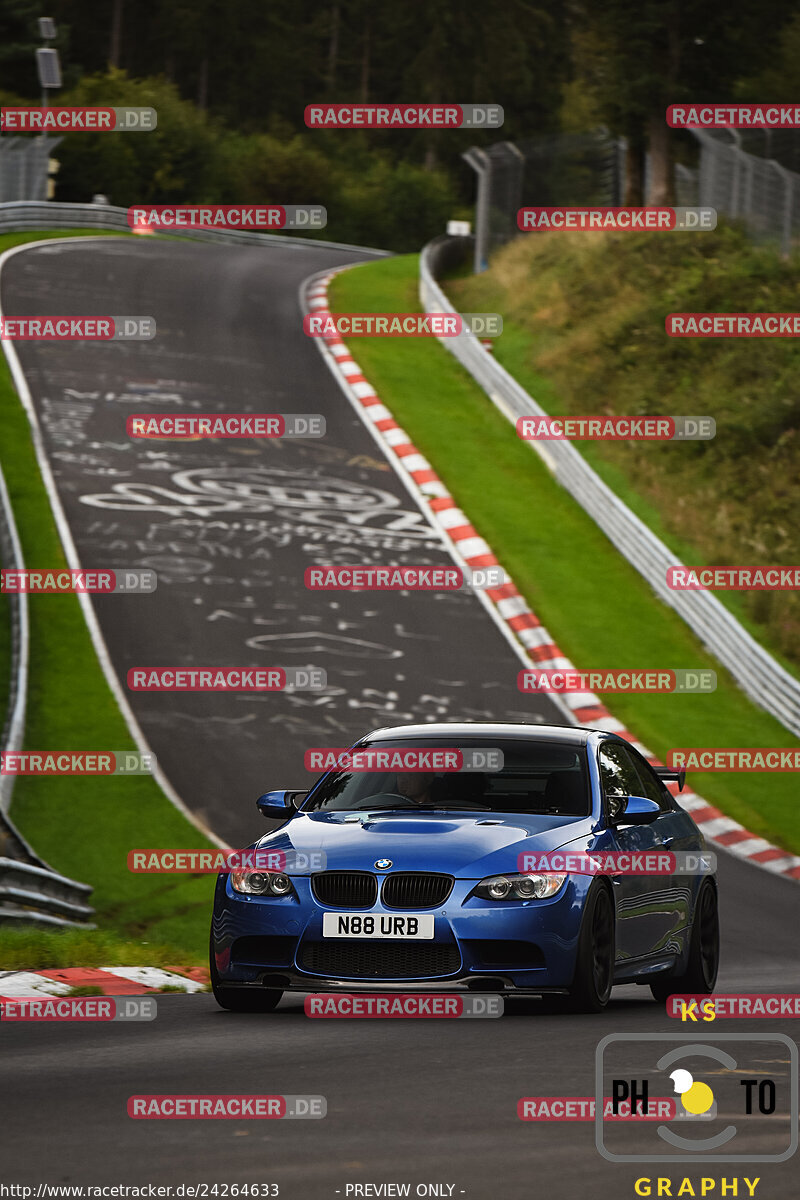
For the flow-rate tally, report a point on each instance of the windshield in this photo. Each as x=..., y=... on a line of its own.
x=536, y=777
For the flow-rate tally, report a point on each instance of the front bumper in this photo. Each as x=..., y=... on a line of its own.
x=481, y=945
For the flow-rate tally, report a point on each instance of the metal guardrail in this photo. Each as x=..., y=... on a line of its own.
x=24, y=165
x=760, y=192
x=759, y=675
x=39, y=894
x=30, y=890
x=20, y=215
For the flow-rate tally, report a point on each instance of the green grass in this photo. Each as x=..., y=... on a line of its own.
x=600, y=611
x=9, y=240
x=513, y=351
x=84, y=826
x=5, y=648
x=584, y=332
x=31, y=948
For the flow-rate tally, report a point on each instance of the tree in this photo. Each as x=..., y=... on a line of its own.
x=18, y=42
x=639, y=56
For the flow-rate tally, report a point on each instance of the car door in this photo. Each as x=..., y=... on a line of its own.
x=675, y=831
x=644, y=903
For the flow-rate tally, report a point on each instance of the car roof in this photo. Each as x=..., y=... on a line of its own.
x=569, y=735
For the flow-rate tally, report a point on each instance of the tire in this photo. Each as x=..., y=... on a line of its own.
x=241, y=999
x=594, y=969
x=700, y=976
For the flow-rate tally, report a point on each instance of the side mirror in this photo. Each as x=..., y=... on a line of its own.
x=638, y=810
x=279, y=805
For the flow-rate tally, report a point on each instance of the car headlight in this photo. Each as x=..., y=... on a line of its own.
x=520, y=887
x=261, y=883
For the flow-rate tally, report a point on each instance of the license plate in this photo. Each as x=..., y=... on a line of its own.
x=378, y=925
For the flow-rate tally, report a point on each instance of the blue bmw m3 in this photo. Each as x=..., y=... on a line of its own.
x=422, y=881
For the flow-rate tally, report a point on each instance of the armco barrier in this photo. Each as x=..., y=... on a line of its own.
x=758, y=674
x=37, y=894
x=21, y=215
x=30, y=890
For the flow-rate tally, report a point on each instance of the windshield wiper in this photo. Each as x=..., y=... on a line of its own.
x=437, y=808
x=411, y=808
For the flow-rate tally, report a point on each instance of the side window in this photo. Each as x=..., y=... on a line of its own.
x=652, y=787
x=617, y=771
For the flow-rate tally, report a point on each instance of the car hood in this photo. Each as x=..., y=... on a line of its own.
x=468, y=845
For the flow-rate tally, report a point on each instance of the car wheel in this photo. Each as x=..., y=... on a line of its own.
x=247, y=999
x=594, y=971
x=700, y=976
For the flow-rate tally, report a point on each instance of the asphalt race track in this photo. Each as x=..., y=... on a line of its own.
x=408, y=1101
x=230, y=527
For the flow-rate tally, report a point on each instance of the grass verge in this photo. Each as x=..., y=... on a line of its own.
x=26, y=949
x=84, y=826
x=599, y=609
x=584, y=332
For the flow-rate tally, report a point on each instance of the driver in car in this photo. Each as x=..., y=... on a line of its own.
x=415, y=786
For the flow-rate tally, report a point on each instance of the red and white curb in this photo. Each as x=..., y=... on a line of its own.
x=469, y=547
x=110, y=981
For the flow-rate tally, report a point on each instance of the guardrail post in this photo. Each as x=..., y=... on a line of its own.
x=479, y=161
x=788, y=200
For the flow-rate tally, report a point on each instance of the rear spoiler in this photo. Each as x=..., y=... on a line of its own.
x=669, y=774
